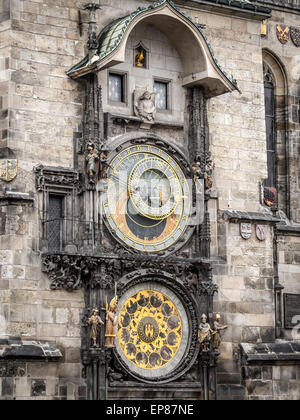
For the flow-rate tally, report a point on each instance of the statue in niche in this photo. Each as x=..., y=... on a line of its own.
x=144, y=106
x=204, y=333
x=216, y=336
x=92, y=163
x=95, y=321
x=111, y=319
x=140, y=57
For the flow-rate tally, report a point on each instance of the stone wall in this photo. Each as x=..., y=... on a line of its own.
x=273, y=383
x=39, y=381
x=38, y=45
x=4, y=73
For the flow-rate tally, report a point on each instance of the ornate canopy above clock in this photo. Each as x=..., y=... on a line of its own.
x=148, y=199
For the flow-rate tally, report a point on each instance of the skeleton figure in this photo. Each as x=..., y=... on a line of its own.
x=209, y=167
x=197, y=171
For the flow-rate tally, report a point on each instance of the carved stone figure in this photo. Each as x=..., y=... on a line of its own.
x=204, y=333
x=197, y=170
x=111, y=318
x=208, y=171
x=95, y=321
x=103, y=164
x=216, y=336
x=144, y=106
x=91, y=160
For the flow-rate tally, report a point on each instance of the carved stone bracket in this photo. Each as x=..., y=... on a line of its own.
x=71, y=272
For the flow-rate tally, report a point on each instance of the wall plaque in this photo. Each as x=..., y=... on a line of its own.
x=291, y=309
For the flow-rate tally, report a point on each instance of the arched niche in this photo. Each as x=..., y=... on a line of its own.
x=275, y=77
x=199, y=65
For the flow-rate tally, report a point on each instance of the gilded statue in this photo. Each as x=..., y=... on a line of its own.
x=92, y=163
x=95, y=322
x=204, y=333
x=140, y=58
x=216, y=336
x=145, y=107
x=111, y=319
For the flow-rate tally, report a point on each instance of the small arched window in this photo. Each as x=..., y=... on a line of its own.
x=277, y=184
x=269, y=86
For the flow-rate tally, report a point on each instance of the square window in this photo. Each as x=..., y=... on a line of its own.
x=161, y=98
x=116, y=91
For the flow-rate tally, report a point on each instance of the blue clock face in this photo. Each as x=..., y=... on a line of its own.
x=147, y=202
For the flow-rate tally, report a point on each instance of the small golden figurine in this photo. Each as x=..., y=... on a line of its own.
x=204, y=333
x=111, y=318
x=139, y=58
x=95, y=321
x=216, y=336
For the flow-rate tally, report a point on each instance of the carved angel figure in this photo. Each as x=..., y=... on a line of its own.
x=111, y=318
x=144, y=106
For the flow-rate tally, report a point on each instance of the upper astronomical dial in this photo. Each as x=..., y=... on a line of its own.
x=154, y=188
x=147, y=202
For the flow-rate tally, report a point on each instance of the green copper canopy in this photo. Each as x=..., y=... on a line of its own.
x=112, y=35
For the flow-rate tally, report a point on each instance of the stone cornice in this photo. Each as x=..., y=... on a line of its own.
x=236, y=216
x=17, y=348
x=233, y=7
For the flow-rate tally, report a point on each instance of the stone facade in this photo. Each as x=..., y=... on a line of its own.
x=41, y=123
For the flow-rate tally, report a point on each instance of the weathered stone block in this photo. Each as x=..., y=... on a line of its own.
x=259, y=387
x=38, y=387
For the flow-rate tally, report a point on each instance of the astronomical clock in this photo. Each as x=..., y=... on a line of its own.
x=142, y=251
x=147, y=206
x=147, y=202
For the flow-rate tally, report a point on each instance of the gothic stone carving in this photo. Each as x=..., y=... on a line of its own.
x=49, y=176
x=144, y=106
x=70, y=272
